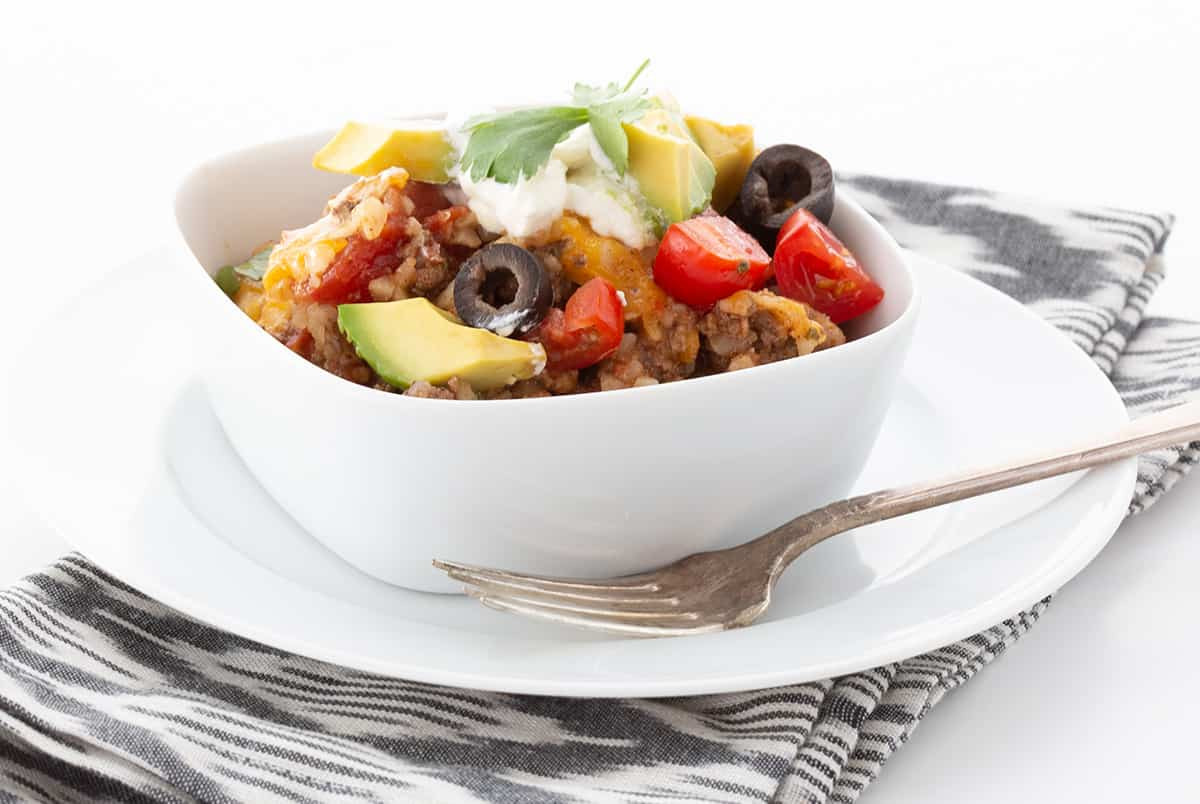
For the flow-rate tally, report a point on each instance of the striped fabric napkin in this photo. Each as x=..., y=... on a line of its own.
x=108, y=695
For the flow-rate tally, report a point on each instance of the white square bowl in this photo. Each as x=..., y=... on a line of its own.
x=590, y=485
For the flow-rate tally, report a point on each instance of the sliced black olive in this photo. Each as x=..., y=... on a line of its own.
x=782, y=179
x=502, y=288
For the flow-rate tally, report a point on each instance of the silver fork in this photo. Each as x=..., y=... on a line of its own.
x=728, y=588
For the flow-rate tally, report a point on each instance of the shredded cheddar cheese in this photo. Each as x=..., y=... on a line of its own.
x=303, y=254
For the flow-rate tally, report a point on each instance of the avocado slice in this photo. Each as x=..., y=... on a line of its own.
x=674, y=174
x=364, y=149
x=731, y=149
x=411, y=340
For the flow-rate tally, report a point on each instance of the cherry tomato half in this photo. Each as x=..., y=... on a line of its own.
x=586, y=331
x=702, y=260
x=812, y=266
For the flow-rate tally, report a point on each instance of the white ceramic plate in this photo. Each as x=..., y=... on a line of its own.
x=119, y=449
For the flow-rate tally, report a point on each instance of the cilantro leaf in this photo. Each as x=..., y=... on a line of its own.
x=510, y=145
x=606, y=119
x=253, y=268
x=587, y=95
x=608, y=107
x=629, y=84
x=612, y=139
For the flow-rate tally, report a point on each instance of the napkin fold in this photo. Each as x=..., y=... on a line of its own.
x=106, y=694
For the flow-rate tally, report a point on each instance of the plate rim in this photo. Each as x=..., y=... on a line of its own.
x=1122, y=479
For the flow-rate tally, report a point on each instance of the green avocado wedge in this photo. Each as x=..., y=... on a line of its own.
x=364, y=149
x=731, y=150
x=671, y=170
x=412, y=340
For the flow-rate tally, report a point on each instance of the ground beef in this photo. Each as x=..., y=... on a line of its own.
x=668, y=346
x=329, y=348
x=623, y=369
x=396, y=285
x=424, y=390
x=433, y=271
x=750, y=328
x=427, y=263
x=455, y=388
x=833, y=333
x=551, y=257
x=548, y=383
x=647, y=357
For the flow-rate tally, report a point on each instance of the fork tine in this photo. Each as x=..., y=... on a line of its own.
x=628, y=583
x=607, y=624
x=494, y=584
x=617, y=610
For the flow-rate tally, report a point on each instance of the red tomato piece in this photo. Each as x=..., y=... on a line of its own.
x=301, y=343
x=812, y=266
x=704, y=259
x=441, y=223
x=347, y=277
x=588, y=330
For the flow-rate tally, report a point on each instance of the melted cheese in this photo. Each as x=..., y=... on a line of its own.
x=303, y=254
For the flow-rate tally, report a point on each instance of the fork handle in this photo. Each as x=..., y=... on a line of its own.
x=1177, y=425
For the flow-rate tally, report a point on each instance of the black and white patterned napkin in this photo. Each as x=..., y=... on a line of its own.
x=108, y=695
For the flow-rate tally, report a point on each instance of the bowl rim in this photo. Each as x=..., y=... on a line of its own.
x=374, y=396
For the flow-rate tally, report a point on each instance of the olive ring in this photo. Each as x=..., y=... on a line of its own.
x=781, y=180
x=497, y=271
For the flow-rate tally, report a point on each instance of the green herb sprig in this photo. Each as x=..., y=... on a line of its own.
x=509, y=145
x=252, y=269
x=255, y=267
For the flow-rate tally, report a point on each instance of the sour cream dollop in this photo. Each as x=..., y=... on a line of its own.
x=578, y=178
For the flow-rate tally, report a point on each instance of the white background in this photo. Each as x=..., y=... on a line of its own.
x=104, y=104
